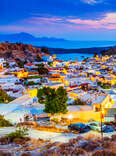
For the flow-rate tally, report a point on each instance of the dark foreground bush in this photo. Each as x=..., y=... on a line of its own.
x=4, y=122
x=3, y=153
x=26, y=154
x=104, y=153
x=114, y=137
x=3, y=141
x=20, y=133
x=79, y=151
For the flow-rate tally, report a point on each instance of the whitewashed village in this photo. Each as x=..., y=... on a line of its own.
x=89, y=89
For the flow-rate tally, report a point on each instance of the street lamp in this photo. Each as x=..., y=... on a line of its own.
x=70, y=118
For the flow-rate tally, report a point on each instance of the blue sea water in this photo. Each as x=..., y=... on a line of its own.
x=75, y=44
x=73, y=56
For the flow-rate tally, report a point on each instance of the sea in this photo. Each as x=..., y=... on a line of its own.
x=74, y=45
x=73, y=56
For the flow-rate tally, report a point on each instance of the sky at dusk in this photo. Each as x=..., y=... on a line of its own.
x=69, y=19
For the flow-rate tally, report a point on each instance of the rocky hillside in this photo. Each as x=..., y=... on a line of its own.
x=24, y=52
x=110, y=51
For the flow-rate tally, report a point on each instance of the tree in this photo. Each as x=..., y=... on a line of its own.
x=4, y=97
x=6, y=65
x=55, y=100
x=42, y=93
x=42, y=69
x=95, y=54
x=45, y=50
x=51, y=105
x=39, y=59
x=66, y=67
x=4, y=122
x=50, y=64
x=86, y=59
x=8, y=54
x=62, y=99
x=79, y=102
x=104, y=85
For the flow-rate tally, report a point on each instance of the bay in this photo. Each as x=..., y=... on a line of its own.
x=75, y=44
x=73, y=56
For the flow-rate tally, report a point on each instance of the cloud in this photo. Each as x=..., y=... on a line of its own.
x=91, y=2
x=108, y=22
x=46, y=20
x=57, y=25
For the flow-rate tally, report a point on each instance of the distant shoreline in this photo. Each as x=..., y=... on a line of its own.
x=80, y=50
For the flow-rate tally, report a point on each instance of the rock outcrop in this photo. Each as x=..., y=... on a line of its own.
x=13, y=51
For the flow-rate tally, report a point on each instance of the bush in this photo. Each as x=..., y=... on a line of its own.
x=34, y=77
x=3, y=153
x=4, y=97
x=104, y=85
x=79, y=151
x=92, y=145
x=104, y=153
x=39, y=59
x=45, y=50
x=4, y=122
x=99, y=83
x=20, y=63
x=30, y=83
x=3, y=141
x=25, y=154
x=50, y=64
x=42, y=69
x=55, y=120
x=20, y=133
x=114, y=137
x=18, y=141
x=79, y=102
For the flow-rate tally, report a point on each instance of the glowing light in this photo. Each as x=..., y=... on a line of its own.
x=70, y=117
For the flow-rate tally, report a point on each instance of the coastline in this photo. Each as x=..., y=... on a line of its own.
x=79, y=51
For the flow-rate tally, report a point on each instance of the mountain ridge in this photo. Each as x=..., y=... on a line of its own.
x=26, y=37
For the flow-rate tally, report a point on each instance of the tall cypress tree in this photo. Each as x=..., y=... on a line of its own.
x=55, y=100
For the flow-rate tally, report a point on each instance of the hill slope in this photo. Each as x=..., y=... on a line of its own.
x=111, y=51
x=24, y=52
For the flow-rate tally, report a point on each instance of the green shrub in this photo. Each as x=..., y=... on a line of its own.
x=4, y=122
x=99, y=83
x=79, y=102
x=4, y=97
x=104, y=85
x=55, y=120
x=19, y=133
x=30, y=83
x=34, y=77
x=39, y=59
x=42, y=69
x=50, y=64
